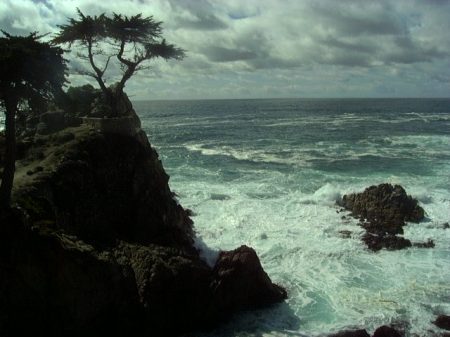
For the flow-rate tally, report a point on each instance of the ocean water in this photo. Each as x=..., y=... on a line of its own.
x=267, y=173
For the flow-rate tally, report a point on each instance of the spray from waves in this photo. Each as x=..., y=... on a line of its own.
x=2, y=122
x=333, y=283
x=207, y=254
x=269, y=178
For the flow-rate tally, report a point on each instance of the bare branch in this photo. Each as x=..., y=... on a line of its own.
x=106, y=64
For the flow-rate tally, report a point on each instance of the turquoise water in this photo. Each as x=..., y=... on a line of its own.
x=266, y=173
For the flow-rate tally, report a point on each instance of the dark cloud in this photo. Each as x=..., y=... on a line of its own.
x=196, y=15
x=203, y=21
x=220, y=54
x=362, y=47
x=343, y=45
x=358, y=18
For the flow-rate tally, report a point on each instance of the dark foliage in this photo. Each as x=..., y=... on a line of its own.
x=30, y=71
x=77, y=101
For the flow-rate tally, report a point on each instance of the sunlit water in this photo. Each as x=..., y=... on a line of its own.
x=266, y=173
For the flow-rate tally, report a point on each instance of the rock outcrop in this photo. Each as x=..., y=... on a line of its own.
x=99, y=245
x=383, y=210
x=382, y=331
x=385, y=206
x=239, y=272
x=386, y=331
x=443, y=322
x=351, y=333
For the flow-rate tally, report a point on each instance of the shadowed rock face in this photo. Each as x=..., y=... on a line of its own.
x=105, y=187
x=239, y=272
x=386, y=331
x=388, y=241
x=383, y=211
x=443, y=322
x=100, y=246
x=351, y=333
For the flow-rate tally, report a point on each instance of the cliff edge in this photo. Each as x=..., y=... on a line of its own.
x=98, y=245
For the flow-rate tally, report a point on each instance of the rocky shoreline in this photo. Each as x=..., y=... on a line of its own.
x=98, y=244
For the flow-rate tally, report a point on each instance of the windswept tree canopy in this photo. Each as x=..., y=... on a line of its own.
x=29, y=67
x=131, y=39
x=30, y=70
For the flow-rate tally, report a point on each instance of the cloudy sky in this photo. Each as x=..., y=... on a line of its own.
x=274, y=48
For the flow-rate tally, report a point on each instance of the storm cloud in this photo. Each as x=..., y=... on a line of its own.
x=297, y=48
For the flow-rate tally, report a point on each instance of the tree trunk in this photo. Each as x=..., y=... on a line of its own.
x=10, y=153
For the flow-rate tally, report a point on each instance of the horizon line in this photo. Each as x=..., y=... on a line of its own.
x=282, y=98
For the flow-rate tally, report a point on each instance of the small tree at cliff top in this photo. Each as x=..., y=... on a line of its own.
x=133, y=40
x=29, y=70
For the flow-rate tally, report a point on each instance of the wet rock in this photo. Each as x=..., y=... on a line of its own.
x=239, y=272
x=386, y=331
x=443, y=322
x=351, y=333
x=384, y=204
x=377, y=242
x=428, y=244
x=345, y=234
x=383, y=211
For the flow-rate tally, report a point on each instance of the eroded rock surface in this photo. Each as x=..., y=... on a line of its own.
x=386, y=331
x=385, y=206
x=100, y=246
x=351, y=333
x=383, y=210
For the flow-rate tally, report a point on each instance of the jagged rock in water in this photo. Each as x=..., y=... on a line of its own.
x=383, y=211
x=443, y=322
x=427, y=244
x=386, y=331
x=376, y=242
x=351, y=333
x=239, y=272
x=386, y=205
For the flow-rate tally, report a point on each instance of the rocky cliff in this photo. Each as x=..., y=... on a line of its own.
x=98, y=245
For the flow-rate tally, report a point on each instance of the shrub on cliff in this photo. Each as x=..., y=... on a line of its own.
x=77, y=101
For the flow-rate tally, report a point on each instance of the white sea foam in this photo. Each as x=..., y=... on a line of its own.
x=207, y=254
x=253, y=155
x=332, y=282
x=276, y=191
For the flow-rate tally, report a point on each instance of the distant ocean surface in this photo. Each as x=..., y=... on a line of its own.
x=267, y=173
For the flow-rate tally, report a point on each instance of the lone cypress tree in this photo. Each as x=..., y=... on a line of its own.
x=131, y=39
x=29, y=69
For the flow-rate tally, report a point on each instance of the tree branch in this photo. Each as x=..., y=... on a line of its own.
x=96, y=69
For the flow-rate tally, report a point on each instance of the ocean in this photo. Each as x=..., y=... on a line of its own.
x=267, y=173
